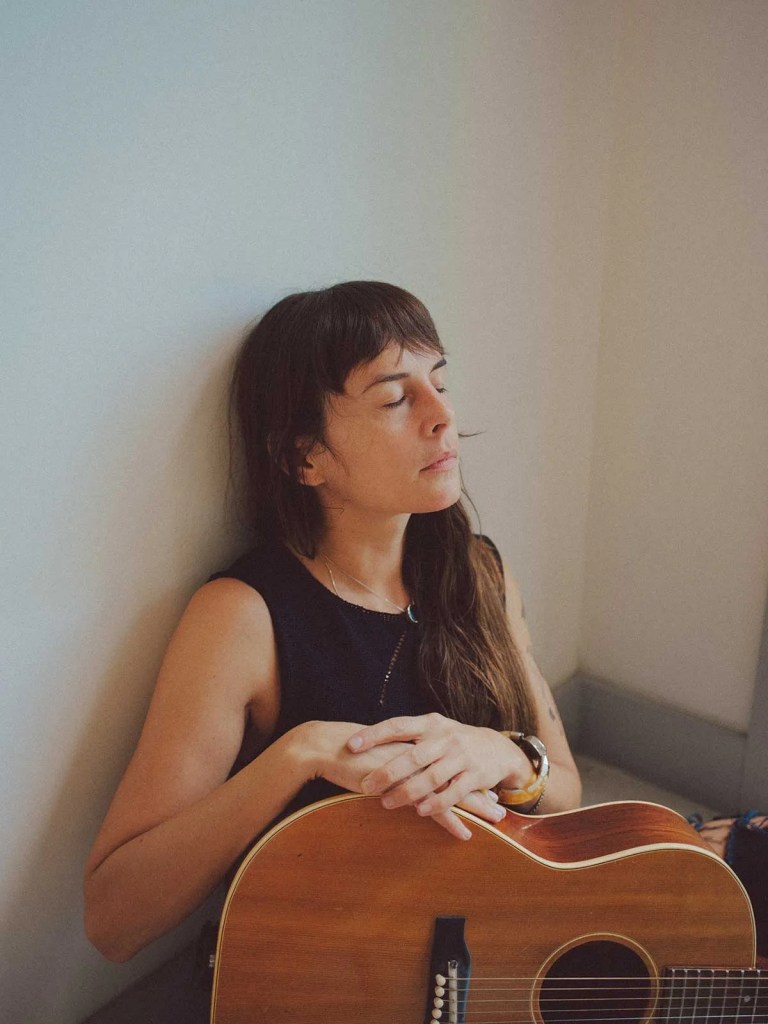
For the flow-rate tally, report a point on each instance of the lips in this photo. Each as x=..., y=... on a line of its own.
x=445, y=457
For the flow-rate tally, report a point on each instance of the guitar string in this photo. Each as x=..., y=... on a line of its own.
x=748, y=996
x=738, y=1016
x=658, y=981
x=554, y=995
x=628, y=989
x=734, y=974
x=715, y=986
x=678, y=1013
x=670, y=1013
x=702, y=982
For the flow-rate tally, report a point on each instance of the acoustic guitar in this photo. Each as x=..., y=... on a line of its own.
x=346, y=913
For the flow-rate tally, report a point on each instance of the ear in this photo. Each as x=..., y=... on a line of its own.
x=310, y=471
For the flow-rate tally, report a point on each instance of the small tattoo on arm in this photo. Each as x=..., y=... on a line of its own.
x=556, y=718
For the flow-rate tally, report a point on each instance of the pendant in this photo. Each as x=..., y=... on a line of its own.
x=410, y=611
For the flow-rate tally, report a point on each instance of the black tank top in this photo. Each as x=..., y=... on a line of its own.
x=333, y=655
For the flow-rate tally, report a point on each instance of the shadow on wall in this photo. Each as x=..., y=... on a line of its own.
x=52, y=960
x=148, y=527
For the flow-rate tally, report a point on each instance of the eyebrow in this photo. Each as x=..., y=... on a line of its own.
x=384, y=378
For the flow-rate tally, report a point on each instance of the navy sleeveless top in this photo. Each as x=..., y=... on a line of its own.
x=333, y=655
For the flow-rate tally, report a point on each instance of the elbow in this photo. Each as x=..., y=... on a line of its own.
x=109, y=946
x=106, y=940
x=104, y=932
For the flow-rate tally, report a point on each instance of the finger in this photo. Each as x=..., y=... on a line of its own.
x=425, y=783
x=455, y=792
x=415, y=759
x=478, y=803
x=452, y=823
x=407, y=727
x=488, y=794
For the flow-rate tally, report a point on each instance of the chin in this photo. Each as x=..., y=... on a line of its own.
x=438, y=502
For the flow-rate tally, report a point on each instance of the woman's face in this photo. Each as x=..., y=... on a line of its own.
x=391, y=426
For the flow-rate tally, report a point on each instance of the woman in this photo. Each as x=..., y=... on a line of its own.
x=361, y=644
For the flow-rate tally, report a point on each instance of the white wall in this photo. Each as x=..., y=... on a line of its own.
x=677, y=567
x=173, y=169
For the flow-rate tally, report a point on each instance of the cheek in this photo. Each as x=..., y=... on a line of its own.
x=366, y=457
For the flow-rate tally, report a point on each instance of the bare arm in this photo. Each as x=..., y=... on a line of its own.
x=175, y=824
x=563, y=790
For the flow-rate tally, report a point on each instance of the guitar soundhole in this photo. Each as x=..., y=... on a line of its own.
x=596, y=981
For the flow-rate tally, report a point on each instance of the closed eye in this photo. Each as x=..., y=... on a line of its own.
x=394, y=405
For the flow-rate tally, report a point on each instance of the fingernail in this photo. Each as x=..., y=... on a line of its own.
x=466, y=834
x=355, y=743
x=499, y=813
x=425, y=808
x=367, y=786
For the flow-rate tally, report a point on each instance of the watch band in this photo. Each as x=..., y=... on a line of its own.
x=533, y=790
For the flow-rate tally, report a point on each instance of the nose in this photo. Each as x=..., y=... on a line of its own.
x=440, y=414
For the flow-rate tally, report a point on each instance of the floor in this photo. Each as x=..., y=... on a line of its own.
x=603, y=783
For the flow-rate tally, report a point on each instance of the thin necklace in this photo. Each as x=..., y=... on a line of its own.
x=406, y=611
x=410, y=611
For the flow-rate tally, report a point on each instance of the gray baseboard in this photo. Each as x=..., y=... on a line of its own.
x=754, y=793
x=669, y=747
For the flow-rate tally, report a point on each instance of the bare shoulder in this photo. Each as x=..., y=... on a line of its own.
x=227, y=627
x=227, y=610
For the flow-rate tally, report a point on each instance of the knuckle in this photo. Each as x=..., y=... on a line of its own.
x=419, y=756
x=462, y=744
x=445, y=804
x=411, y=791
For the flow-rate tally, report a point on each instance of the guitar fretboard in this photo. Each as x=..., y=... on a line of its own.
x=705, y=995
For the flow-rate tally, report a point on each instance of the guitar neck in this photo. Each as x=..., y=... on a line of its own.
x=706, y=994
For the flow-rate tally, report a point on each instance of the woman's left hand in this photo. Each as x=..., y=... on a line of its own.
x=445, y=762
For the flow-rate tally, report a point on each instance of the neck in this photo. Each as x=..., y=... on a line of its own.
x=717, y=995
x=371, y=551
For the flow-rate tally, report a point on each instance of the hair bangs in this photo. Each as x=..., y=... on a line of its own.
x=355, y=322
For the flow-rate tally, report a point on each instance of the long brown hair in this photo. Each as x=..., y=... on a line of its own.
x=300, y=352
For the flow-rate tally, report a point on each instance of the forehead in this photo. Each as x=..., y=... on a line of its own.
x=392, y=359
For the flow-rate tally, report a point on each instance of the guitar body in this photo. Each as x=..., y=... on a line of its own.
x=330, y=919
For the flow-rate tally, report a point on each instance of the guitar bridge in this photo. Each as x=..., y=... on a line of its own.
x=449, y=973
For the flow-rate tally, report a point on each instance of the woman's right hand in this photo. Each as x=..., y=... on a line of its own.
x=330, y=759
